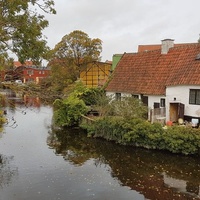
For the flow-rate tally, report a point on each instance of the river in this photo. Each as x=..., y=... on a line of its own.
x=38, y=162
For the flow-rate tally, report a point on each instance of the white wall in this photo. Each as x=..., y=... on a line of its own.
x=151, y=99
x=181, y=93
x=112, y=94
x=154, y=99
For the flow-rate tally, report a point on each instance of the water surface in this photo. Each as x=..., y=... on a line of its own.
x=37, y=162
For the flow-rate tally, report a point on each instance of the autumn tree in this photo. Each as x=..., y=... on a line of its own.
x=21, y=26
x=76, y=50
x=61, y=76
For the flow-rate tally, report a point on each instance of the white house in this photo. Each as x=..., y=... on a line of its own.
x=166, y=79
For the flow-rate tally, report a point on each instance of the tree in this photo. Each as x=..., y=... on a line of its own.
x=21, y=28
x=61, y=76
x=76, y=50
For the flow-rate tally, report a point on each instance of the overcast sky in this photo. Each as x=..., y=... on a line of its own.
x=122, y=25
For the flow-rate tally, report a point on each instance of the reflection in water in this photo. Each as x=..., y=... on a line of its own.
x=7, y=172
x=14, y=103
x=156, y=175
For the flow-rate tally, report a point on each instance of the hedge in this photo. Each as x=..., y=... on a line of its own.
x=141, y=133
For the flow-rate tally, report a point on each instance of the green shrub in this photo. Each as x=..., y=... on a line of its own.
x=110, y=128
x=178, y=139
x=68, y=112
x=141, y=133
x=144, y=134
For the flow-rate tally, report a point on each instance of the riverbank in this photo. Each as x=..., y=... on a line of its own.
x=140, y=133
x=46, y=94
x=124, y=129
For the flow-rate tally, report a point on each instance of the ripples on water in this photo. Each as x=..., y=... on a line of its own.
x=38, y=162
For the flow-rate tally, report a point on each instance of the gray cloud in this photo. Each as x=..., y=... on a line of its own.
x=124, y=24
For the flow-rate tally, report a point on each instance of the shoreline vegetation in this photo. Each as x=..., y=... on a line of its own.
x=123, y=122
x=140, y=133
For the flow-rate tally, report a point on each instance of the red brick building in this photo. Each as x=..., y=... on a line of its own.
x=26, y=72
x=35, y=74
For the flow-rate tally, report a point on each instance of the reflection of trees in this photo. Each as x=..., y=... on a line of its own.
x=72, y=145
x=141, y=170
x=6, y=171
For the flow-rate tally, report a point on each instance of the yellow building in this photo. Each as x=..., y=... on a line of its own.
x=96, y=74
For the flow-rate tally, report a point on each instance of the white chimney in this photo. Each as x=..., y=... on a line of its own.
x=166, y=45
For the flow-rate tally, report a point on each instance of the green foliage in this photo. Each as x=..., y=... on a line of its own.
x=68, y=112
x=91, y=96
x=178, y=139
x=94, y=97
x=102, y=104
x=110, y=128
x=144, y=134
x=21, y=28
x=138, y=132
x=62, y=76
x=129, y=108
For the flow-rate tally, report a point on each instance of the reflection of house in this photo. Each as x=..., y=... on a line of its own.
x=31, y=101
x=181, y=185
x=166, y=78
x=96, y=74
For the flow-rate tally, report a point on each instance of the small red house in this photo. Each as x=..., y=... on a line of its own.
x=31, y=74
x=27, y=72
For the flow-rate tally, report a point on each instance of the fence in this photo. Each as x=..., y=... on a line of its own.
x=158, y=115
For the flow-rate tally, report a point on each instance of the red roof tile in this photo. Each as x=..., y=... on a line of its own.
x=151, y=47
x=18, y=64
x=150, y=72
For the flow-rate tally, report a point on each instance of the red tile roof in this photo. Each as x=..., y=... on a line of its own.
x=150, y=47
x=150, y=72
x=18, y=64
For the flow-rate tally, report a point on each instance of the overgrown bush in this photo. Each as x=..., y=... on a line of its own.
x=129, y=108
x=179, y=139
x=110, y=128
x=141, y=133
x=68, y=112
x=144, y=134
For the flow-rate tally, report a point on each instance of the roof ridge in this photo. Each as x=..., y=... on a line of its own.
x=186, y=45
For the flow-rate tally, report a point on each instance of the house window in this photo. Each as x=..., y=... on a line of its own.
x=118, y=96
x=162, y=102
x=156, y=105
x=194, y=97
x=135, y=96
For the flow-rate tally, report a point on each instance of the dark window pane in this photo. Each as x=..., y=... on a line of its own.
x=198, y=97
x=192, y=97
x=118, y=96
x=162, y=102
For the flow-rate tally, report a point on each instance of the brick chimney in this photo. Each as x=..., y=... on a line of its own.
x=166, y=45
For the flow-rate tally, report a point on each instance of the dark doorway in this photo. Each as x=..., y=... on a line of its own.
x=176, y=111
